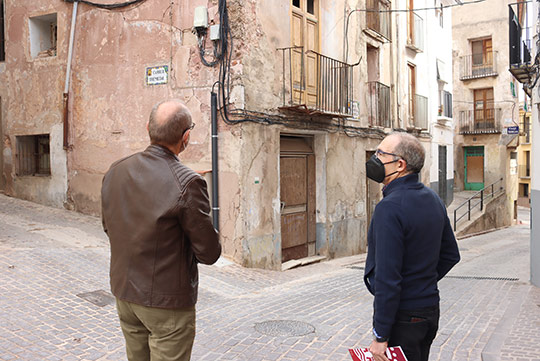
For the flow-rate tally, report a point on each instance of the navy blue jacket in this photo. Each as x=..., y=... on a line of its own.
x=411, y=246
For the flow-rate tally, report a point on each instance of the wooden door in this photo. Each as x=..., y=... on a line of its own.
x=474, y=168
x=297, y=193
x=305, y=34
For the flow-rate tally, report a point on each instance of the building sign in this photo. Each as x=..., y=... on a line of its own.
x=513, y=130
x=157, y=75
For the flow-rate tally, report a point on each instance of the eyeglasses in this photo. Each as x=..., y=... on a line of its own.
x=379, y=152
x=191, y=126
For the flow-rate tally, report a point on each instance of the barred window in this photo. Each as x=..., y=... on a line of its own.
x=33, y=155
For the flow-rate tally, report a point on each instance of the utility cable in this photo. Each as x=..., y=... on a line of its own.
x=107, y=6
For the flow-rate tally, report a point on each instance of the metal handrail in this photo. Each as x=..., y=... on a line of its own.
x=481, y=202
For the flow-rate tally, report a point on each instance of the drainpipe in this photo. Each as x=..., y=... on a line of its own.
x=68, y=74
x=215, y=204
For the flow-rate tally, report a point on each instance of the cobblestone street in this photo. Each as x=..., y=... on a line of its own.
x=50, y=260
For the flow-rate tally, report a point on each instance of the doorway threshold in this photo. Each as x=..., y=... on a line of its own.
x=301, y=262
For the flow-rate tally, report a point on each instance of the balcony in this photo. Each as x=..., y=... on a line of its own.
x=379, y=105
x=483, y=121
x=415, y=32
x=315, y=84
x=521, y=65
x=477, y=66
x=524, y=171
x=378, y=19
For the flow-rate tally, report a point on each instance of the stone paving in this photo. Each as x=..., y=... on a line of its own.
x=49, y=258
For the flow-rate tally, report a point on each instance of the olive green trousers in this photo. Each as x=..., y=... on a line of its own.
x=157, y=334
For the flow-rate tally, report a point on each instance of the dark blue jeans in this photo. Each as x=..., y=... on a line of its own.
x=414, y=331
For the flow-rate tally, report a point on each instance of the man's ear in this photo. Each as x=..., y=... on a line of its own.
x=185, y=137
x=147, y=125
x=402, y=165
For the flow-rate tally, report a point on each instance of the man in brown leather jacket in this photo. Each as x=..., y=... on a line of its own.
x=156, y=214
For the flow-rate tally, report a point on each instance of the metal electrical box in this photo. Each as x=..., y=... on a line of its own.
x=200, y=18
x=214, y=32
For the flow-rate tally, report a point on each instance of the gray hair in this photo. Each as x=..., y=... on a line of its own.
x=411, y=150
x=167, y=128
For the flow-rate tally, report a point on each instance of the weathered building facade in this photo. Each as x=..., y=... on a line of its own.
x=487, y=104
x=524, y=163
x=306, y=88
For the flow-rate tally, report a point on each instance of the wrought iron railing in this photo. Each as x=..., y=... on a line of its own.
x=320, y=84
x=481, y=197
x=481, y=121
x=379, y=104
x=415, y=36
x=420, y=111
x=378, y=17
x=478, y=65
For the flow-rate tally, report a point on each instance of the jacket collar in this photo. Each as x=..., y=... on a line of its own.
x=408, y=181
x=160, y=150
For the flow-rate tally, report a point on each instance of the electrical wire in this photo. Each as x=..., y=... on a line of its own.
x=395, y=11
x=107, y=6
x=418, y=9
x=237, y=116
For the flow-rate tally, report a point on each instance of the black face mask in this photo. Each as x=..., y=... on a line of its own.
x=375, y=169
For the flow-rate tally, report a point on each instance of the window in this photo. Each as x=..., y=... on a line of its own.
x=526, y=126
x=482, y=53
x=527, y=163
x=2, y=36
x=305, y=40
x=412, y=92
x=484, y=112
x=378, y=17
x=43, y=36
x=33, y=155
x=311, y=7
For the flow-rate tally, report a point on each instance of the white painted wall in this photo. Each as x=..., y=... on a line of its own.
x=535, y=176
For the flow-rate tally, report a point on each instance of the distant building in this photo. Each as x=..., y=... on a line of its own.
x=486, y=105
x=524, y=164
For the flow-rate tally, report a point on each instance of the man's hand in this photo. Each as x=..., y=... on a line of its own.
x=378, y=350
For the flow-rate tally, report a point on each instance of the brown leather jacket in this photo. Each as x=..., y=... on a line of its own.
x=156, y=213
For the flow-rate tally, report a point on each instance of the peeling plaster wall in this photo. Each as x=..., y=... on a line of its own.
x=31, y=96
x=345, y=195
x=260, y=201
x=110, y=105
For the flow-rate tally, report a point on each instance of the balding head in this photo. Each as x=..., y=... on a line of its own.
x=168, y=122
x=409, y=148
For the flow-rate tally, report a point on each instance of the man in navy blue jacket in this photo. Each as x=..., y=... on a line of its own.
x=411, y=246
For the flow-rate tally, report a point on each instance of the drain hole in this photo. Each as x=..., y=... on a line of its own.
x=284, y=328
